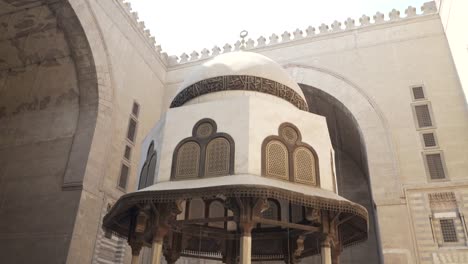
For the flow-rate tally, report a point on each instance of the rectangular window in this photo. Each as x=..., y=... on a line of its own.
x=429, y=140
x=123, y=176
x=135, y=109
x=435, y=166
x=128, y=152
x=423, y=115
x=449, y=232
x=132, y=125
x=418, y=93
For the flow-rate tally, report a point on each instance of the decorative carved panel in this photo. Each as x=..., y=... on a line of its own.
x=239, y=82
x=286, y=157
x=277, y=160
x=304, y=166
x=188, y=161
x=206, y=153
x=217, y=157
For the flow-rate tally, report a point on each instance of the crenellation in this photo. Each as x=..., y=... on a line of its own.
x=237, y=45
x=184, y=57
x=286, y=36
x=146, y=33
x=336, y=26
x=215, y=51
x=250, y=44
x=323, y=28
x=309, y=32
x=194, y=56
x=429, y=8
x=379, y=18
x=261, y=41
x=364, y=20
x=350, y=23
x=273, y=39
x=394, y=14
x=298, y=34
x=205, y=53
x=227, y=48
x=410, y=11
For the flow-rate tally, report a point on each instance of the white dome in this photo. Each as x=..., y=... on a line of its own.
x=243, y=64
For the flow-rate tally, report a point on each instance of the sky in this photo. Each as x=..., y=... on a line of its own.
x=187, y=25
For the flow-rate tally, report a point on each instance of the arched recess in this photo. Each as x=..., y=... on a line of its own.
x=48, y=62
x=382, y=162
x=366, y=168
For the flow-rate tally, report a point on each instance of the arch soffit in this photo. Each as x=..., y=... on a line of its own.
x=373, y=126
x=96, y=94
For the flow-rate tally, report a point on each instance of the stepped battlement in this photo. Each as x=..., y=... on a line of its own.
x=274, y=39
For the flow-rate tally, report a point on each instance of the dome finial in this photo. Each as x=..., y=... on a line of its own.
x=243, y=34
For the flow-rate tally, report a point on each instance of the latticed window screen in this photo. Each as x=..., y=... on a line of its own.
x=418, y=93
x=272, y=212
x=197, y=209
x=423, y=115
x=304, y=166
x=296, y=213
x=277, y=164
x=123, y=176
x=449, y=232
x=429, y=140
x=216, y=210
x=217, y=157
x=435, y=166
x=188, y=160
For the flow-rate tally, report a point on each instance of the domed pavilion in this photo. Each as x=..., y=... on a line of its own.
x=237, y=170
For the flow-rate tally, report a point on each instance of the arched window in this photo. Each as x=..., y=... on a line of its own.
x=216, y=210
x=286, y=157
x=304, y=166
x=277, y=160
x=188, y=161
x=217, y=157
x=149, y=168
x=196, y=209
x=207, y=153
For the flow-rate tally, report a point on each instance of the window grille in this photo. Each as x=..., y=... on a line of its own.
x=418, y=93
x=188, y=160
x=423, y=115
x=304, y=166
x=135, y=109
x=277, y=164
x=127, y=152
x=123, y=176
x=429, y=140
x=217, y=157
x=216, y=210
x=449, y=232
x=132, y=125
x=435, y=166
x=196, y=209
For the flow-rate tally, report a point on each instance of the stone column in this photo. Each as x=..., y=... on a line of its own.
x=157, y=251
x=246, y=248
x=136, y=248
x=325, y=251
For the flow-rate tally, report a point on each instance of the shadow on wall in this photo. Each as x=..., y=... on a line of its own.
x=351, y=168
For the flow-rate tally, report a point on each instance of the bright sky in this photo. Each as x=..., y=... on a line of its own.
x=187, y=25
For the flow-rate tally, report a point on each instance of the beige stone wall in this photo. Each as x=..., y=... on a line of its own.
x=370, y=70
x=132, y=70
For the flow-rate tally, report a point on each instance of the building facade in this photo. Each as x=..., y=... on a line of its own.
x=82, y=82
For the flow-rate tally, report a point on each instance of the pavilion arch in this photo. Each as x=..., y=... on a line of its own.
x=382, y=164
